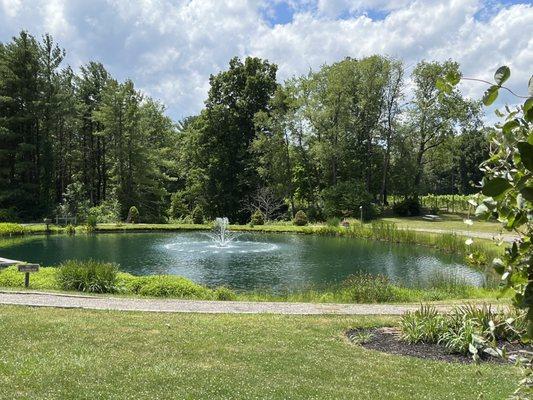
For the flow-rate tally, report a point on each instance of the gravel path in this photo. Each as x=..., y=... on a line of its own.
x=41, y=299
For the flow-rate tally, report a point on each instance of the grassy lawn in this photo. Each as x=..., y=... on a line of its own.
x=75, y=354
x=451, y=222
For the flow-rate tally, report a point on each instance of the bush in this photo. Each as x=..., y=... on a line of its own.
x=105, y=213
x=257, y=218
x=422, y=325
x=300, y=219
x=171, y=286
x=178, y=206
x=368, y=288
x=8, y=215
x=345, y=199
x=465, y=329
x=46, y=278
x=407, y=208
x=88, y=276
x=225, y=294
x=133, y=215
x=334, y=222
x=197, y=215
x=91, y=222
x=70, y=229
x=7, y=228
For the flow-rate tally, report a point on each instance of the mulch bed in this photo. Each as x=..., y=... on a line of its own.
x=388, y=340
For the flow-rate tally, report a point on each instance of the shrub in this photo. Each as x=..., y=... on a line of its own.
x=197, y=215
x=7, y=228
x=88, y=276
x=8, y=215
x=344, y=200
x=368, y=288
x=91, y=222
x=224, y=293
x=300, y=219
x=334, y=222
x=133, y=215
x=178, y=206
x=422, y=325
x=107, y=212
x=409, y=207
x=257, y=218
x=70, y=229
x=466, y=329
x=46, y=278
x=172, y=286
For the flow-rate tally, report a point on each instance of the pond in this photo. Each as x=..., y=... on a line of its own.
x=252, y=261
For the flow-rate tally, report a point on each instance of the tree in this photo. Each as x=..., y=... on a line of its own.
x=433, y=118
x=26, y=151
x=224, y=167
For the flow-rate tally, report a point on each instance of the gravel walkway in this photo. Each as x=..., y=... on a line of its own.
x=41, y=299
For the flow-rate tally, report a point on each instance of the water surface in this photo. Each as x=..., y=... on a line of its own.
x=253, y=261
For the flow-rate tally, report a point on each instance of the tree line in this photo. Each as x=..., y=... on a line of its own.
x=346, y=136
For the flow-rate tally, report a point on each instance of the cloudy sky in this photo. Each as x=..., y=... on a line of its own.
x=170, y=47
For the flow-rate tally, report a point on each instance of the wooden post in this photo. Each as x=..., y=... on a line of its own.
x=27, y=268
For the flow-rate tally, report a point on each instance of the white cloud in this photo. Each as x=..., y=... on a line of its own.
x=169, y=48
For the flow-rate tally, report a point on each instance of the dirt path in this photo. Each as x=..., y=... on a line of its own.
x=42, y=299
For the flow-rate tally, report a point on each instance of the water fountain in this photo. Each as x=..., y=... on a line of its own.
x=221, y=235
x=222, y=242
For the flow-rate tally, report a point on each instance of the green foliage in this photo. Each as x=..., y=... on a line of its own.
x=7, y=228
x=225, y=294
x=300, y=219
x=367, y=288
x=257, y=218
x=345, y=199
x=333, y=222
x=178, y=206
x=507, y=185
x=407, y=208
x=88, y=276
x=107, y=212
x=197, y=215
x=91, y=223
x=8, y=215
x=466, y=329
x=45, y=279
x=70, y=229
x=133, y=215
x=167, y=286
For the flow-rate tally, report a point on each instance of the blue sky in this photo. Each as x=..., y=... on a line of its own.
x=170, y=47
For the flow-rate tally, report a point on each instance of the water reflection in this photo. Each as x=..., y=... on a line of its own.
x=274, y=261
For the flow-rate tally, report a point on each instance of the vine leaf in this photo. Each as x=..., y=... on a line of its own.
x=526, y=154
x=490, y=95
x=502, y=74
x=495, y=187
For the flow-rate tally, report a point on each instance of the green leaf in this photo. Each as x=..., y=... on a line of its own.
x=528, y=104
x=495, y=187
x=510, y=125
x=443, y=86
x=527, y=193
x=453, y=77
x=528, y=110
x=502, y=74
x=491, y=94
x=526, y=154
